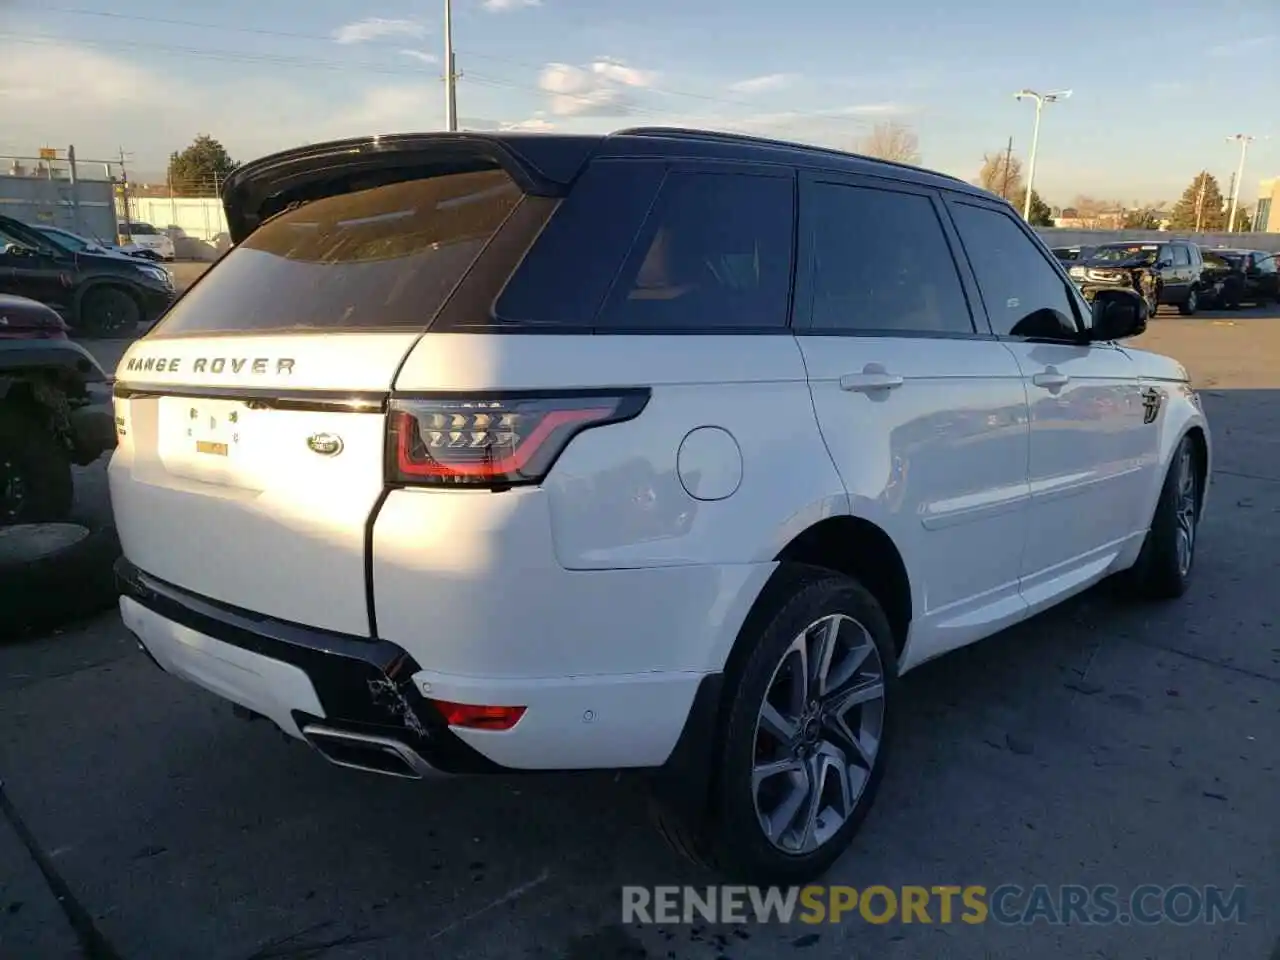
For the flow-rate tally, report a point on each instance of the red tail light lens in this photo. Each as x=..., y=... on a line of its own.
x=495, y=441
x=474, y=717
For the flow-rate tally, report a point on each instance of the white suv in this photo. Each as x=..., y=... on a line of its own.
x=664, y=450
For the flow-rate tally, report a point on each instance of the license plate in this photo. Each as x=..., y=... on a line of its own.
x=214, y=427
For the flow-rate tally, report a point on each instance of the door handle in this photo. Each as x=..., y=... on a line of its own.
x=872, y=377
x=1051, y=379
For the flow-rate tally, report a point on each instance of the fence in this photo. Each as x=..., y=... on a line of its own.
x=58, y=195
x=199, y=218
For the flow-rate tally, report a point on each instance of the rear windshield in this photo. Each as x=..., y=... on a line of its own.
x=383, y=257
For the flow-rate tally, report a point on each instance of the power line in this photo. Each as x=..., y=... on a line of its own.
x=686, y=94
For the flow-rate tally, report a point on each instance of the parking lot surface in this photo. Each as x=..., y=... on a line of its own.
x=1102, y=743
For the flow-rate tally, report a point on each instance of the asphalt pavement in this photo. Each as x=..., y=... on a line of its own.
x=1101, y=743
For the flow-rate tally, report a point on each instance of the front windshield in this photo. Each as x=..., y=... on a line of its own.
x=1124, y=252
x=138, y=229
x=63, y=241
x=25, y=236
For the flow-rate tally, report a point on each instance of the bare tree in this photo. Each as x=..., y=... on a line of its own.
x=1001, y=173
x=1093, y=213
x=891, y=141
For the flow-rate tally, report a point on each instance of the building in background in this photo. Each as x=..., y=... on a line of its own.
x=1264, y=220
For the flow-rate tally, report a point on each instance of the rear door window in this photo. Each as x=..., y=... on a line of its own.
x=880, y=263
x=383, y=257
x=714, y=255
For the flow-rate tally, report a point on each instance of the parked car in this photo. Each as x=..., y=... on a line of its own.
x=1242, y=276
x=733, y=490
x=1072, y=254
x=97, y=293
x=144, y=239
x=80, y=244
x=1168, y=272
x=48, y=419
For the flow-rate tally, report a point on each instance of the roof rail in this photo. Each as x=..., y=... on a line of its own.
x=688, y=133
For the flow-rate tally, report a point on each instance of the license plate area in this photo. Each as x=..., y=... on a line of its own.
x=207, y=439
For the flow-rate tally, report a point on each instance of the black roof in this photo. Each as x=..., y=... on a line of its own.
x=542, y=163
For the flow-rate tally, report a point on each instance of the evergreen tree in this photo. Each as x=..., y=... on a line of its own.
x=1204, y=208
x=199, y=170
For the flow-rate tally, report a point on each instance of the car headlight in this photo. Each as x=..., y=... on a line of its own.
x=158, y=274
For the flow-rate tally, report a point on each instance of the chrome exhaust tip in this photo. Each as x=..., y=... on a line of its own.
x=368, y=752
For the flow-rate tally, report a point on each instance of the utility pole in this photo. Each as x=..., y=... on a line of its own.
x=450, y=72
x=1244, y=140
x=1204, y=179
x=1008, y=160
x=124, y=200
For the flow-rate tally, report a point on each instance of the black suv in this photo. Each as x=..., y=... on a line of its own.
x=98, y=294
x=1165, y=272
x=1244, y=276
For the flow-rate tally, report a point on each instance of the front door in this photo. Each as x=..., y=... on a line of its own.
x=1089, y=446
x=925, y=419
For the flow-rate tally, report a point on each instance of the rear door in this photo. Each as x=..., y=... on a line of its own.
x=924, y=415
x=252, y=419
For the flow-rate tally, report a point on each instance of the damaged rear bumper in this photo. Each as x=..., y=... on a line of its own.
x=352, y=698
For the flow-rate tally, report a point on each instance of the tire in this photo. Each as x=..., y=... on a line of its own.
x=1164, y=567
x=107, y=311
x=733, y=839
x=53, y=573
x=1189, y=306
x=35, y=470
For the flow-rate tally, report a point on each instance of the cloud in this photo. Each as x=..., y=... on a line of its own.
x=373, y=28
x=770, y=81
x=601, y=88
x=535, y=124
x=499, y=6
x=421, y=56
x=1236, y=48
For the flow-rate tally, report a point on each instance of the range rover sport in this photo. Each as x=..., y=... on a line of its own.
x=664, y=450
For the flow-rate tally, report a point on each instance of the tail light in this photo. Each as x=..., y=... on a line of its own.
x=474, y=717
x=495, y=441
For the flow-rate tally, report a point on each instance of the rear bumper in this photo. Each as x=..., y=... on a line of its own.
x=301, y=677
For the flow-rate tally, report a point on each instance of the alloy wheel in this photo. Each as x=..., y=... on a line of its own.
x=1188, y=504
x=818, y=734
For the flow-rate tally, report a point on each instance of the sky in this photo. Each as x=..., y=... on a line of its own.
x=1156, y=88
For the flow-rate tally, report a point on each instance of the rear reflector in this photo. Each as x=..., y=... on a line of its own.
x=474, y=717
x=495, y=441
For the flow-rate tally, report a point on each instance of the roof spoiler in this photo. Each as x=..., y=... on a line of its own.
x=541, y=165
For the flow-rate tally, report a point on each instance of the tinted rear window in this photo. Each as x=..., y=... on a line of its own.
x=383, y=257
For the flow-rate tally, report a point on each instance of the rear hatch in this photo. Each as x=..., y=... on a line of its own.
x=252, y=419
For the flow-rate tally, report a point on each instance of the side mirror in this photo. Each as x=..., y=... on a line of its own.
x=17, y=250
x=1117, y=315
x=1163, y=264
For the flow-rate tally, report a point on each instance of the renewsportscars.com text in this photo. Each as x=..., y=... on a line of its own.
x=1007, y=904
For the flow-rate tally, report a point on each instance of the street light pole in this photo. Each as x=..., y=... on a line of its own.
x=1244, y=140
x=1041, y=99
x=450, y=74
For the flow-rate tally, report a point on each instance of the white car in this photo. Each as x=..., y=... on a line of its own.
x=143, y=238
x=662, y=451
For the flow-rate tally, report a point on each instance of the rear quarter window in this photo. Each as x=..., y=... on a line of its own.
x=383, y=257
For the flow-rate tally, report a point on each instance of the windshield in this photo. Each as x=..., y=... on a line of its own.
x=64, y=241
x=138, y=229
x=1118, y=253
